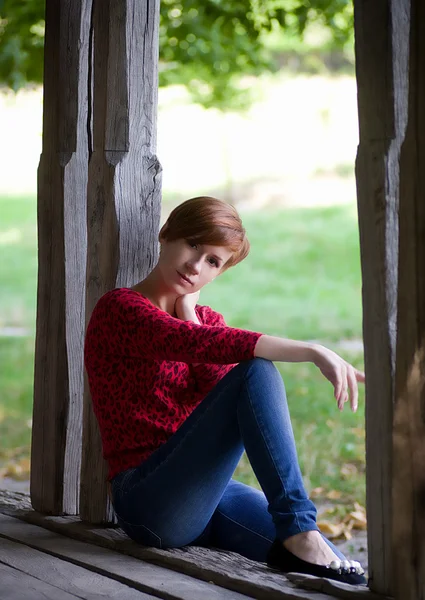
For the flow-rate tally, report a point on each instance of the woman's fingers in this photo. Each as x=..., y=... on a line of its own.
x=354, y=391
x=338, y=386
x=360, y=376
x=343, y=389
x=343, y=376
x=347, y=389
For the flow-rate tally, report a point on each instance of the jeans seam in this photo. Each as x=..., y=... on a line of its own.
x=143, y=527
x=241, y=525
x=270, y=456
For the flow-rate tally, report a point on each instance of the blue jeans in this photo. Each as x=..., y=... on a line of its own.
x=184, y=494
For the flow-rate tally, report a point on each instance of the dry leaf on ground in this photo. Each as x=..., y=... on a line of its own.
x=19, y=469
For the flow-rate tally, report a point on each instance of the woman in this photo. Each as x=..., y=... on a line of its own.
x=179, y=396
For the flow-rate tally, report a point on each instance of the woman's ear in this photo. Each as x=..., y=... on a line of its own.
x=161, y=239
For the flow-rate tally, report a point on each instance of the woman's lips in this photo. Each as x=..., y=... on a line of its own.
x=184, y=278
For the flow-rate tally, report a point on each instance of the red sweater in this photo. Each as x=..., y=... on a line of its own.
x=142, y=381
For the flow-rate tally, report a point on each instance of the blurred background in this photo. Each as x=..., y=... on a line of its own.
x=257, y=106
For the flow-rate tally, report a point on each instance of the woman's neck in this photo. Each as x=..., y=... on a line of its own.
x=151, y=289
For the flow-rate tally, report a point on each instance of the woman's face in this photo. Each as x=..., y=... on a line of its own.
x=187, y=267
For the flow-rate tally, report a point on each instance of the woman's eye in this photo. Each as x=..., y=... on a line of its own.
x=214, y=262
x=192, y=244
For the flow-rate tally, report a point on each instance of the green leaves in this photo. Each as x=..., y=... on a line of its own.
x=206, y=45
x=21, y=42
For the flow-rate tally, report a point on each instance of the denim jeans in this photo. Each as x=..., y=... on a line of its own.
x=184, y=494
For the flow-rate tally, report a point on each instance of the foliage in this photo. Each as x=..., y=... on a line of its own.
x=206, y=45
x=21, y=42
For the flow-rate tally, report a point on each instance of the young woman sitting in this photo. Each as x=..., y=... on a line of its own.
x=179, y=396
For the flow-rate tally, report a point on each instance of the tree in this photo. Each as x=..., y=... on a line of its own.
x=204, y=44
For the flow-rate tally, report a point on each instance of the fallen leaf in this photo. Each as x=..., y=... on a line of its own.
x=334, y=495
x=334, y=531
x=19, y=469
x=348, y=470
x=317, y=492
x=357, y=519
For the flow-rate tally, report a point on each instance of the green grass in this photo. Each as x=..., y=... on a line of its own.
x=301, y=280
x=16, y=385
x=18, y=267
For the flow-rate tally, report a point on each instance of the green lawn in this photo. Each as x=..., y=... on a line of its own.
x=301, y=280
x=18, y=266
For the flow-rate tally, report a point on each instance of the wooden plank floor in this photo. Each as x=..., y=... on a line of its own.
x=61, y=557
x=87, y=571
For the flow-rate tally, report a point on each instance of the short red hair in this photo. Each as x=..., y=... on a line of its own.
x=206, y=220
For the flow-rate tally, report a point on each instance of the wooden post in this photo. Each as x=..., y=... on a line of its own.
x=382, y=38
x=409, y=411
x=62, y=181
x=390, y=53
x=123, y=185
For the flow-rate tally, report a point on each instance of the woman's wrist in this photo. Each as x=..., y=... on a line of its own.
x=187, y=314
x=185, y=307
x=285, y=350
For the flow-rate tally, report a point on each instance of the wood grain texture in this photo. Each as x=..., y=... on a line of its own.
x=409, y=411
x=71, y=578
x=124, y=185
x=382, y=45
x=16, y=585
x=334, y=588
x=225, y=569
x=96, y=560
x=62, y=180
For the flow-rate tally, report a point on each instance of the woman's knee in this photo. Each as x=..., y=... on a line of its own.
x=262, y=363
x=262, y=367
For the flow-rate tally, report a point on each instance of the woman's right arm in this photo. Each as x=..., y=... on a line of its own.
x=340, y=373
x=284, y=350
x=134, y=327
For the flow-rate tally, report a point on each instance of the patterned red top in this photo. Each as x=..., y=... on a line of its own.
x=139, y=360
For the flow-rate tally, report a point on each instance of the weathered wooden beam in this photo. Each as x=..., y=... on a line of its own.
x=62, y=181
x=124, y=184
x=382, y=47
x=409, y=411
x=163, y=572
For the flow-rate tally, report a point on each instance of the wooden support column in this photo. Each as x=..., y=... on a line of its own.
x=382, y=48
x=409, y=411
x=62, y=182
x=124, y=183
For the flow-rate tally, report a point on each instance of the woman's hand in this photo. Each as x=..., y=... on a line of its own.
x=343, y=376
x=185, y=307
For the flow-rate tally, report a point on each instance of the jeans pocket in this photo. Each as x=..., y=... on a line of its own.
x=140, y=533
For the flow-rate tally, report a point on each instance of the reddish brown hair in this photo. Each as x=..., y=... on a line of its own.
x=205, y=220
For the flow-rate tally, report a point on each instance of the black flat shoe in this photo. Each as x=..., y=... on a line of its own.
x=346, y=571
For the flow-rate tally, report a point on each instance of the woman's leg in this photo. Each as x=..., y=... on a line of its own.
x=170, y=499
x=243, y=524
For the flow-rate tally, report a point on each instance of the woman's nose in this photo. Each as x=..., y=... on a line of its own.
x=194, y=267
